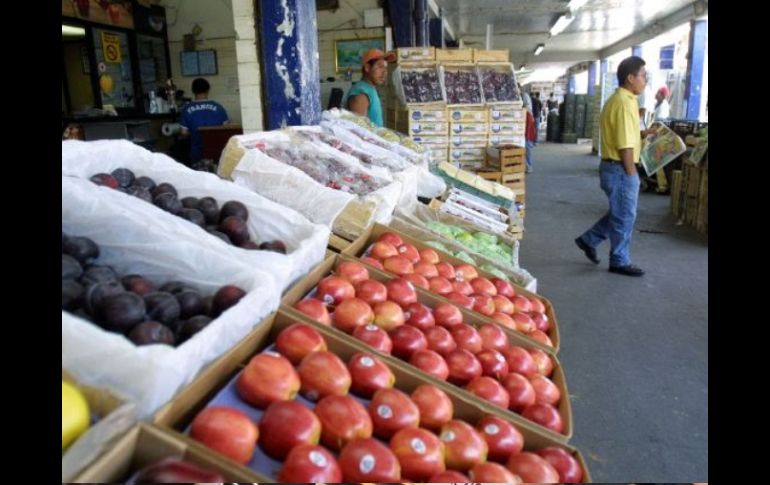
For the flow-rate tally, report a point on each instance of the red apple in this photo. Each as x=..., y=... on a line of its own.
x=566, y=465
x=440, y=285
x=373, y=262
x=371, y=291
x=493, y=364
x=375, y=337
x=352, y=271
x=343, y=419
x=409, y=251
x=482, y=285
x=268, y=377
x=323, y=374
x=504, y=288
x=298, y=340
x=537, y=304
x=467, y=337
x=332, y=290
x=447, y=315
x=546, y=392
x=461, y=300
x=351, y=314
x=541, y=337
x=543, y=361
x=462, y=287
x=398, y=265
x=429, y=256
x=401, y=291
x=446, y=270
x=417, y=280
x=520, y=361
x=523, y=322
x=493, y=473
x=420, y=453
x=522, y=303
x=392, y=410
x=465, y=447
x=465, y=272
x=520, y=391
x=488, y=389
x=493, y=338
x=431, y=363
x=420, y=316
x=463, y=367
x=383, y=250
x=310, y=464
x=436, y=409
x=369, y=461
x=369, y=374
x=501, y=436
x=406, y=341
x=388, y=315
x=541, y=321
x=532, y=469
x=227, y=431
x=285, y=425
x=503, y=304
x=449, y=476
x=440, y=340
x=315, y=309
x=544, y=415
x=504, y=320
x=427, y=270
x=391, y=238
x=483, y=304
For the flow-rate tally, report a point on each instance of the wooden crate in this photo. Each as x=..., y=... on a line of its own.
x=454, y=55
x=498, y=55
x=514, y=181
x=702, y=213
x=521, y=198
x=676, y=193
x=693, y=175
x=412, y=54
x=493, y=176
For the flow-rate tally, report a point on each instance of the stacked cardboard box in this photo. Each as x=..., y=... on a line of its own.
x=468, y=128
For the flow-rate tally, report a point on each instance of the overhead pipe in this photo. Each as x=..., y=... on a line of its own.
x=490, y=27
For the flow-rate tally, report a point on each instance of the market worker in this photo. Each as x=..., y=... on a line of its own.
x=662, y=108
x=200, y=112
x=619, y=179
x=362, y=98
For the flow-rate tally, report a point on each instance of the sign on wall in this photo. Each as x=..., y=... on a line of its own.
x=111, y=47
x=348, y=53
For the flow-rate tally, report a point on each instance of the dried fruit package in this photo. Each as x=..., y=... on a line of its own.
x=499, y=83
x=462, y=85
x=661, y=148
x=418, y=85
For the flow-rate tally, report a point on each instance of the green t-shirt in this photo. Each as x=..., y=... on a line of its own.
x=375, y=107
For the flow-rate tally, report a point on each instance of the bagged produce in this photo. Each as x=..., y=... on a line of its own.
x=462, y=85
x=418, y=84
x=498, y=82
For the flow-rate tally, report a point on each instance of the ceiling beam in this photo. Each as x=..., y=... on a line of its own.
x=654, y=29
x=553, y=56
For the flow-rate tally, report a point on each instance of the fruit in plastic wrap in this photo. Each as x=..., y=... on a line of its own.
x=499, y=85
x=443, y=229
x=388, y=135
x=421, y=86
x=462, y=255
x=148, y=333
x=439, y=246
x=462, y=86
x=491, y=269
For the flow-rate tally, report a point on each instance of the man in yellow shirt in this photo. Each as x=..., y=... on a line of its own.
x=621, y=145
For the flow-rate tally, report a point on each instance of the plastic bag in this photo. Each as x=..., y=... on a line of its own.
x=305, y=241
x=152, y=374
x=418, y=84
x=462, y=85
x=498, y=82
x=661, y=148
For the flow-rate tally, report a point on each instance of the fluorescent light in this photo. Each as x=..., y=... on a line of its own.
x=539, y=49
x=576, y=4
x=561, y=24
x=71, y=31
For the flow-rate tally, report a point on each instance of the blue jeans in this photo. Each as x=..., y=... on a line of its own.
x=618, y=224
x=530, y=145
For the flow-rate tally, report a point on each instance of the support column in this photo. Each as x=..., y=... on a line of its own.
x=695, y=60
x=436, y=28
x=592, y=78
x=421, y=22
x=290, y=60
x=401, y=19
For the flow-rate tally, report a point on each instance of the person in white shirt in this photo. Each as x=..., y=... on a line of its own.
x=662, y=108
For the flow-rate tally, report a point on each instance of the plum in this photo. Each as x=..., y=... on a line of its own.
x=175, y=287
x=210, y=210
x=249, y=245
x=164, y=188
x=190, y=303
x=168, y=202
x=71, y=294
x=226, y=297
x=162, y=307
x=148, y=333
x=194, y=216
x=236, y=229
x=190, y=202
x=140, y=193
x=95, y=273
x=137, y=284
x=275, y=246
x=70, y=268
x=121, y=312
x=190, y=327
x=124, y=176
x=234, y=208
x=95, y=294
x=104, y=179
x=145, y=182
x=80, y=248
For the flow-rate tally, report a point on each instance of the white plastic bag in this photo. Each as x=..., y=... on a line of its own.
x=152, y=374
x=306, y=242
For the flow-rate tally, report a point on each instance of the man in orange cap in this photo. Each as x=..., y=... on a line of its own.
x=661, y=107
x=362, y=98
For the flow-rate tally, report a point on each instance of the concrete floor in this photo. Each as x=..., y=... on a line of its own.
x=635, y=350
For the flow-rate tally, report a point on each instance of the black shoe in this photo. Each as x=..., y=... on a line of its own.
x=588, y=250
x=628, y=270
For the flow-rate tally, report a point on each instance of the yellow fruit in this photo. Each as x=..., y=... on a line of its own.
x=75, y=414
x=105, y=82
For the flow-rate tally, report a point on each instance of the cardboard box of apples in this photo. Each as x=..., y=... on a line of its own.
x=300, y=402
